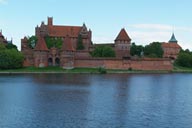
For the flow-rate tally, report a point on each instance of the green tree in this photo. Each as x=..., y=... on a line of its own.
x=2, y=46
x=53, y=42
x=32, y=41
x=136, y=49
x=153, y=50
x=10, y=59
x=80, y=45
x=11, y=46
x=103, y=51
x=184, y=59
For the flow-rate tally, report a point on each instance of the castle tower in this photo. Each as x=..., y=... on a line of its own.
x=122, y=44
x=84, y=33
x=24, y=44
x=67, y=54
x=50, y=21
x=41, y=53
x=173, y=39
x=171, y=49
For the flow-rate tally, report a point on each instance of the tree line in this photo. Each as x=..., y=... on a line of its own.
x=10, y=57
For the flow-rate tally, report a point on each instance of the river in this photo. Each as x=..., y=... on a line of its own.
x=96, y=101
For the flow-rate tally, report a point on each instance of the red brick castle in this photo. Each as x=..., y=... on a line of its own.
x=69, y=56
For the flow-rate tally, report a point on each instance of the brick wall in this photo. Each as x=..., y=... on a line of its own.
x=141, y=64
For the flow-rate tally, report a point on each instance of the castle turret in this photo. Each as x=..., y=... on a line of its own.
x=41, y=53
x=122, y=44
x=171, y=49
x=50, y=21
x=173, y=39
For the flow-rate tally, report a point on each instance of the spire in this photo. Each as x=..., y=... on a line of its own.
x=67, y=44
x=41, y=45
x=173, y=39
x=123, y=35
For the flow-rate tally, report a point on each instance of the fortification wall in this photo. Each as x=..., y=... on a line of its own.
x=140, y=64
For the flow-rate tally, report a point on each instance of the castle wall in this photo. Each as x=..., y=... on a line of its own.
x=40, y=59
x=142, y=64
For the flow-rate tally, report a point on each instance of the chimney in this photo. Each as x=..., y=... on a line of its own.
x=50, y=21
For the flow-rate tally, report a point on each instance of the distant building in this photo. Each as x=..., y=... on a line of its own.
x=172, y=48
x=4, y=40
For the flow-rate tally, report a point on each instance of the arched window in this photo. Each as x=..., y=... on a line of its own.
x=57, y=62
x=50, y=62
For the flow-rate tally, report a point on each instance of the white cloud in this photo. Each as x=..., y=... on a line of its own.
x=3, y=1
x=152, y=27
x=148, y=37
x=160, y=27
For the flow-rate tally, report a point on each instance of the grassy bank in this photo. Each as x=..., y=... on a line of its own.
x=182, y=69
x=75, y=70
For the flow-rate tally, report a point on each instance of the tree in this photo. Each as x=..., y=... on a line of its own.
x=10, y=59
x=153, y=50
x=80, y=45
x=53, y=42
x=11, y=46
x=32, y=41
x=103, y=51
x=2, y=46
x=136, y=49
x=184, y=59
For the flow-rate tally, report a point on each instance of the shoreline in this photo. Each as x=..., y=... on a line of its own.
x=58, y=70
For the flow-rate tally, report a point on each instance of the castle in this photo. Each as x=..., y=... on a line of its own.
x=69, y=56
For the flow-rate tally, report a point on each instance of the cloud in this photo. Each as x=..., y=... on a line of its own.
x=148, y=37
x=152, y=27
x=3, y=1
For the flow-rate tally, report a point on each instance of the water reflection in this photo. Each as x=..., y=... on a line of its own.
x=58, y=79
x=83, y=100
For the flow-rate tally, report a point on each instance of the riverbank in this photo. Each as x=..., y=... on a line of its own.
x=179, y=69
x=76, y=70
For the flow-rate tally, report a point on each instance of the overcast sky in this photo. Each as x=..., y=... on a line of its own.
x=144, y=20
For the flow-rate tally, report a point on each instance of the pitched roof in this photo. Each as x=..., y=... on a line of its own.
x=67, y=44
x=123, y=35
x=170, y=45
x=173, y=39
x=41, y=45
x=63, y=31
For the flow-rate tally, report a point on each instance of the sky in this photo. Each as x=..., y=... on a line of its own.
x=145, y=21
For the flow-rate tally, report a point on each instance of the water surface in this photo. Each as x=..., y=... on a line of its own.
x=96, y=101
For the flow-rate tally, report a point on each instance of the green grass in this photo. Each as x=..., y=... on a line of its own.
x=50, y=70
x=75, y=70
x=182, y=69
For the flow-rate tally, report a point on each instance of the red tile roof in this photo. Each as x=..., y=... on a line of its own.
x=63, y=31
x=170, y=45
x=41, y=45
x=123, y=36
x=67, y=44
